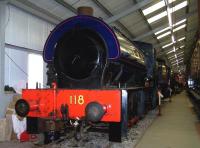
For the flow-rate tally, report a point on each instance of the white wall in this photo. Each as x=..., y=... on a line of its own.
x=16, y=70
x=23, y=30
x=27, y=31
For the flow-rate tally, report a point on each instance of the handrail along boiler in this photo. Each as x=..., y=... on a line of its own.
x=98, y=75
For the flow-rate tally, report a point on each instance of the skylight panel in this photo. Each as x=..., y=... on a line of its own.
x=180, y=59
x=162, y=30
x=157, y=17
x=167, y=28
x=164, y=34
x=164, y=13
x=176, y=60
x=170, y=51
x=167, y=45
x=180, y=53
x=173, y=50
x=179, y=6
x=175, y=64
x=183, y=38
x=180, y=27
x=175, y=56
x=153, y=7
x=170, y=58
x=179, y=22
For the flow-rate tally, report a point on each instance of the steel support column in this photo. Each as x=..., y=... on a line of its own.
x=2, y=42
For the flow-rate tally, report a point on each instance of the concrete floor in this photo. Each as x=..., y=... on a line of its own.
x=176, y=128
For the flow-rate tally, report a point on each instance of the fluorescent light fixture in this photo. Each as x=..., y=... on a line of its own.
x=183, y=38
x=164, y=34
x=179, y=22
x=173, y=50
x=172, y=57
x=175, y=64
x=162, y=30
x=180, y=61
x=173, y=61
x=179, y=6
x=157, y=17
x=167, y=45
x=180, y=53
x=167, y=28
x=170, y=51
x=180, y=27
x=164, y=13
x=153, y=7
x=176, y=60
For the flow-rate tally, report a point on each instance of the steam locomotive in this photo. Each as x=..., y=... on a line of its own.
x=96, y=75
x=164, y=78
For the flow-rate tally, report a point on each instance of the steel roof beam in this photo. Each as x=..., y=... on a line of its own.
x=105, y=10
x=128, y=11
x=35, y=10
x=66, y=5
x=162, y=27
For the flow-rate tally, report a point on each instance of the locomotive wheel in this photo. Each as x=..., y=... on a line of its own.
x=22, y=108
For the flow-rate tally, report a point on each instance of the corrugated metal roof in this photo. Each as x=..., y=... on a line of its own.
x=136, y=24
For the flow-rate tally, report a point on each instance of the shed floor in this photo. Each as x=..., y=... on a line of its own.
x=178, y=126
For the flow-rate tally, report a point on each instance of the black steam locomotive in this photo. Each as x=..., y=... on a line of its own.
x=84, y=54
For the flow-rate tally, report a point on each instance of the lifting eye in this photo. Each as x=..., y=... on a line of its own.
x=94, y=112
x=22, y=108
